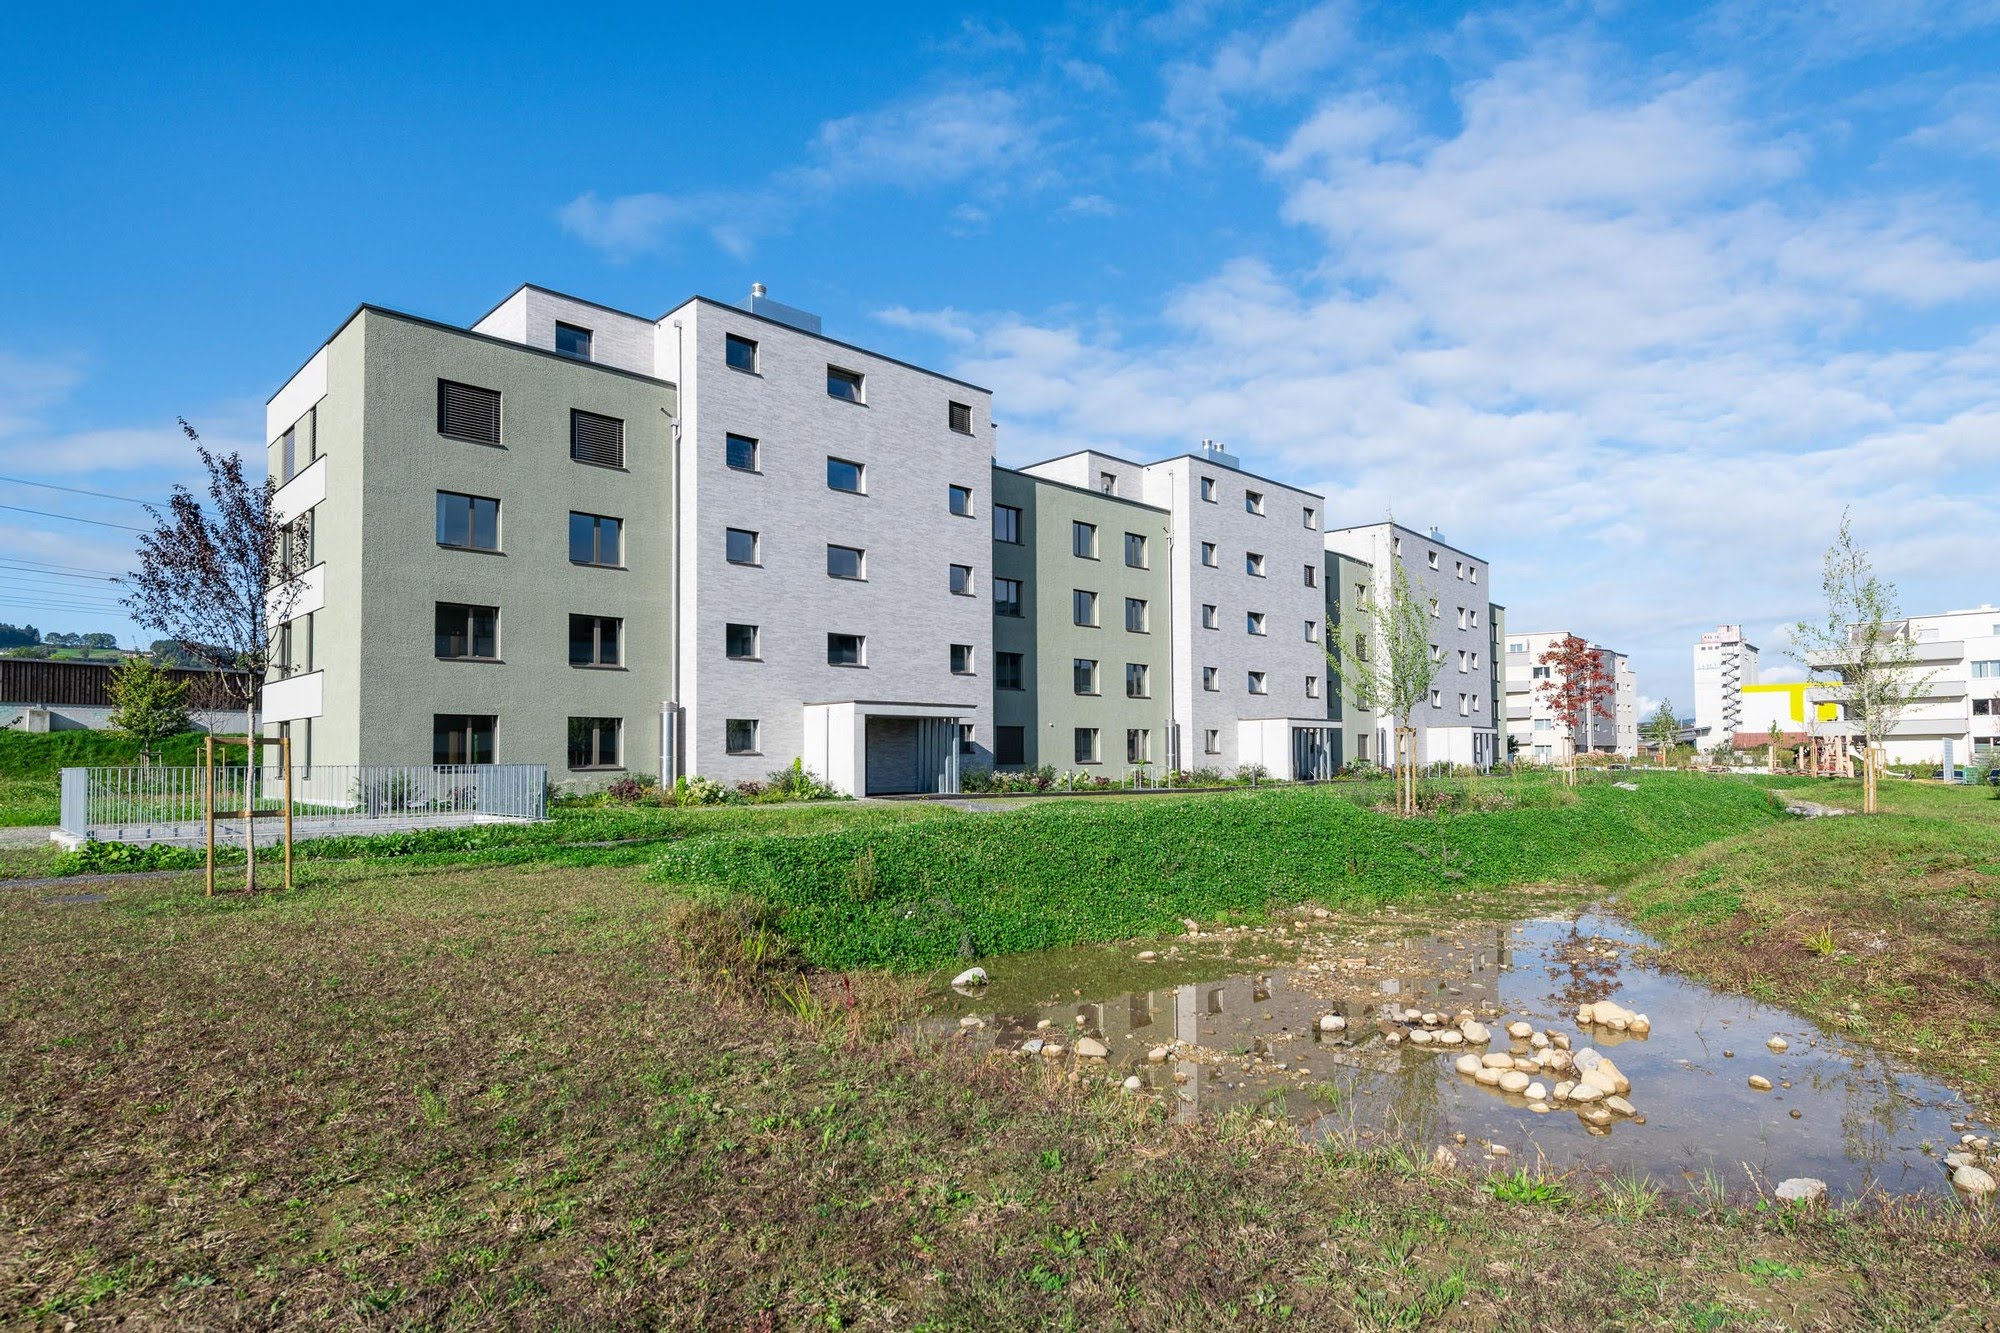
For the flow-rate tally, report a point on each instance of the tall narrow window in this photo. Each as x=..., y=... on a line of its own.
x=1208, y=489
x=1312, y=575
x=1135, y=615
x=1007, y=671
x=959, y=417
x=466, y=633
x=1136, y=686
x=1006, y=597
x=1211, y=616
x=1083, y=540
x=1086, y=746
x=468, y=522
x=1211, y=741
x=961, y=659
x=596, y=540
x=961, y=580
x=1253, y=564
x=1138, y=745
x=1208, y=556
x=468, y=412
x=1083, y=607
x=1253, y=502
x=1211, y=678
x=1135, y=550
x=961, y=501
x=1312, y=517
x=593, y=742
x=572, y=340
x=740, y=451
x=1010, y=746
x=740, y=353
x=1083, y=672
x=597, y=440
x=596, y=641
x=288, y=455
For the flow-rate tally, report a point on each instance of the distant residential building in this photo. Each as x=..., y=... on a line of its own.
x=1460, y=723
x=1958, y=657
x=1724, y=662
x=1533, y=729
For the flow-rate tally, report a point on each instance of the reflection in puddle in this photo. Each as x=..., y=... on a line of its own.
x=1240, y=1025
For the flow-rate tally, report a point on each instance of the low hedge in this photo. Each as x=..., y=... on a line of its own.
x=918, y=895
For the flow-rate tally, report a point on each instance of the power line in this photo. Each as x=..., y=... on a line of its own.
x=73, y=490
x=71, y=518
x=55, y=574
x=46, y=564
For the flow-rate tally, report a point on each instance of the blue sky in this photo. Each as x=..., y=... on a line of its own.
x=1631, y=299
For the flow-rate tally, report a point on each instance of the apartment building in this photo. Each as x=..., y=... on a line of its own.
x=1724, y=663
x=1247, y=631
x=1460, y=722
x=1533, y=731
x=1957, y=667
x=717, y=540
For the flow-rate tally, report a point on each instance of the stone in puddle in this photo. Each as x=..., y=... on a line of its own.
x=1536, y=1093
x=1467, y=1064
x=1451, y=1037
x=1489, y=1077
x=1801, y=1189
x=1090, y=1048
x=1496, y=1060
x=1539, y=1107
x=1759, y=1082
x=1595, y=1116
x=1332, y=1023
x=1513, y=1081
x=1520, y=1031
x=1586, y=1092
x=1778, y=1044
x=1973, y=1181
x=1620, y=1105
x=1157, y=1055
x=1474, y=1032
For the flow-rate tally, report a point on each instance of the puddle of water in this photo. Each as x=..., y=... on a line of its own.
x=1241, y=1018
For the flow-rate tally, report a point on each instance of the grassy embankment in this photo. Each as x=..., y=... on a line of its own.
x=923, y=893
x=545, y=1095
x=1887, y=927
x=31, y=767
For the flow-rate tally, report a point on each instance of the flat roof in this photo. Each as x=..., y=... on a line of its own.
x=1175, y=458
x=1040, y=480
x=735, y=309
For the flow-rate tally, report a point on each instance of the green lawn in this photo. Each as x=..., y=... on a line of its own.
x=1887, y=926
x=551, y=1096
x=918, y=894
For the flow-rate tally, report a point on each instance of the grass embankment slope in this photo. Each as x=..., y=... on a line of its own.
x=535, y=1096
x=920, y=894
x=31, y=767
x=1886, y=926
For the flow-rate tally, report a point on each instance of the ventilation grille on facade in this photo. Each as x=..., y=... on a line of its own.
x=466, y=412
x=596, y=439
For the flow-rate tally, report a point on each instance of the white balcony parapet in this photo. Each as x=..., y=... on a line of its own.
x=301, y=493
x=296, y=398
x=294, y=697
x=301, y=597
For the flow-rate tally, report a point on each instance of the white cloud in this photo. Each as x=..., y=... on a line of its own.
x=1273, y=64
x=1088, y=206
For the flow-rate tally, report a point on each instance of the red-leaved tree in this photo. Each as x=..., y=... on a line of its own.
x=1578, y=690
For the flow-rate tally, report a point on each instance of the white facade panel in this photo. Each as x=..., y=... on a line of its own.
x=296, y=398
x=301, y=493
x=293, y=698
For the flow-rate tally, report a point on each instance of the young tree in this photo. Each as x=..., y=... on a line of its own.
x=218, y=579
x=1385, y=667
x=1663, y=729
x=1862, y=653
x=1578, y=690
x=147, y=704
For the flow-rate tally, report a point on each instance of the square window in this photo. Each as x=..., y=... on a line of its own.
x=849, y=650
x=593, y=742
x=1208, y=556
x=741, y=546
x=1135, y=550
x=1253, y=564
x=573, y=341
x=1083, y=675
x=1211, y=617
x=843, y=384
x=961, y=501
x=1211, y=679
x=596, y=540
x=595, y=439
x=1007, y=671
x=468, y=522
x=1136, y=684
x=966, y=744
x=1006, y=597
x=1007, y=524
x=468, y=412
x=595, y=641
x=1253, y=502
x=961, y=659
x=1086, y=745
x=959, y=415
x=741, y=452
x=846, y=562
x=1253, y=622
x=1257, y=682
x=459, y=738
x=961, y=580
x=740, y=353
x=1083, y=540
x=1010, y=746
x=739, y=735
x=1208, y=489
x=467, y=633
x=842, y=475
x=1083, y=607
x=1135, y=615
x=740, y=642
x=1211, y=742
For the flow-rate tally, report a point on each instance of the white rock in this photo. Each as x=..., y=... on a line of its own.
x=1586, y=1092
x=1973, y=1181
x=1539, y=1107
x=1586, y=1013
x=1158, y=1055
x=1032, y=1046
x=1474, y=1032
x=1603, y=1082
x=1494, y=1060
x=1540, y=1041
x=1535, y=1092
x=1420, y=1036
x=1760, y=1083
x=1520, y=1031
x=1090, y=1048
x=1563, y=1090
x=1595, y=1115
x=1450, y=1037
x=972, y=976
x=1489, y=1077
x=1641, y=1025
x=1444, y=1159
x=1044, y=1025
x=1467, y=1064
x=1332, y=1023
x=1052, y=1049
x=1497, y=1149
x=1147, y=955
x=1514, y=1081
x=1801, y=1189
x=1133, y=1083
x=1778, y=1044
x=1585, y=1060
x=1620, y=1105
